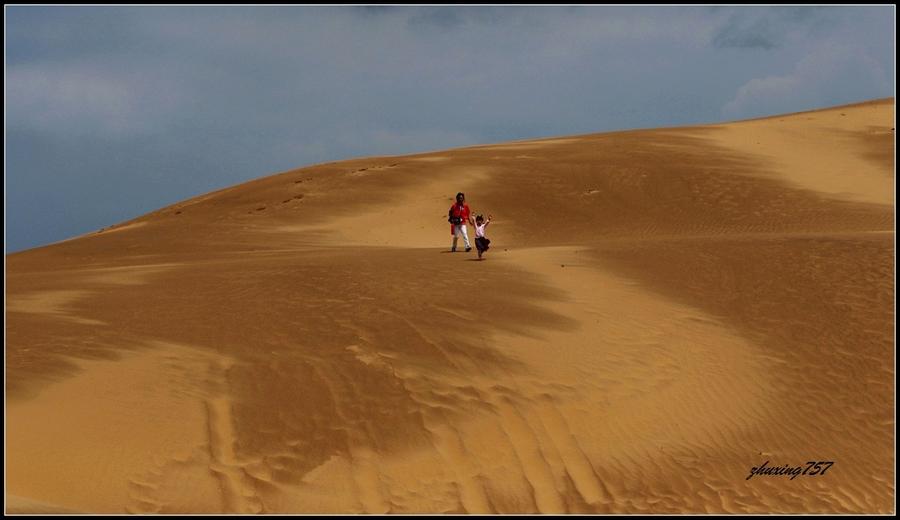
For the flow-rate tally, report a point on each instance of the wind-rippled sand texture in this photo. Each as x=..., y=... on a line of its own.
x=659, y=312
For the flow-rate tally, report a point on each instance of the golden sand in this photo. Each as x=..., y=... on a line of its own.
x=660, y=311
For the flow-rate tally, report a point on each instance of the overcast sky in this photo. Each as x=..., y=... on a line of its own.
x=112, y=112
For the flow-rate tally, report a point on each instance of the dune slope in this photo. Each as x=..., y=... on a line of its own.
x=660, y=312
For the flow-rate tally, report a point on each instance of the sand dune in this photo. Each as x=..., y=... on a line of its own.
x=660, y=312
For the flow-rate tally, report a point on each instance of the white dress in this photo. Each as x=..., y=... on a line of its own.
x=479, y=230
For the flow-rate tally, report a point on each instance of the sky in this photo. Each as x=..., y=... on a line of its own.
x=113, y=112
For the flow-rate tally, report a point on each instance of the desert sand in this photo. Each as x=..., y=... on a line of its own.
x=660, y=312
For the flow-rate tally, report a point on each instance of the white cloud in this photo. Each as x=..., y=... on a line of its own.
x=77, y=99
x=829, y=75
x=45, y=98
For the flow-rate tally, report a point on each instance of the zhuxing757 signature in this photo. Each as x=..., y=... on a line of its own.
x=812, y=468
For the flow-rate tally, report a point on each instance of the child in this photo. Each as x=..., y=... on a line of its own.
x=481, y=242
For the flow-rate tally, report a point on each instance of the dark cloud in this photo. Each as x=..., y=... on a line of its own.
x=765, y=29
x=455, y=17
x=743, y=34
x=374, y=10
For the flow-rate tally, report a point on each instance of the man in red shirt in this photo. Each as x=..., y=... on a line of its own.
x=459, y=217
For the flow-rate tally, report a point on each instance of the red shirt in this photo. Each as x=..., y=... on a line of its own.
x=460, y=211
